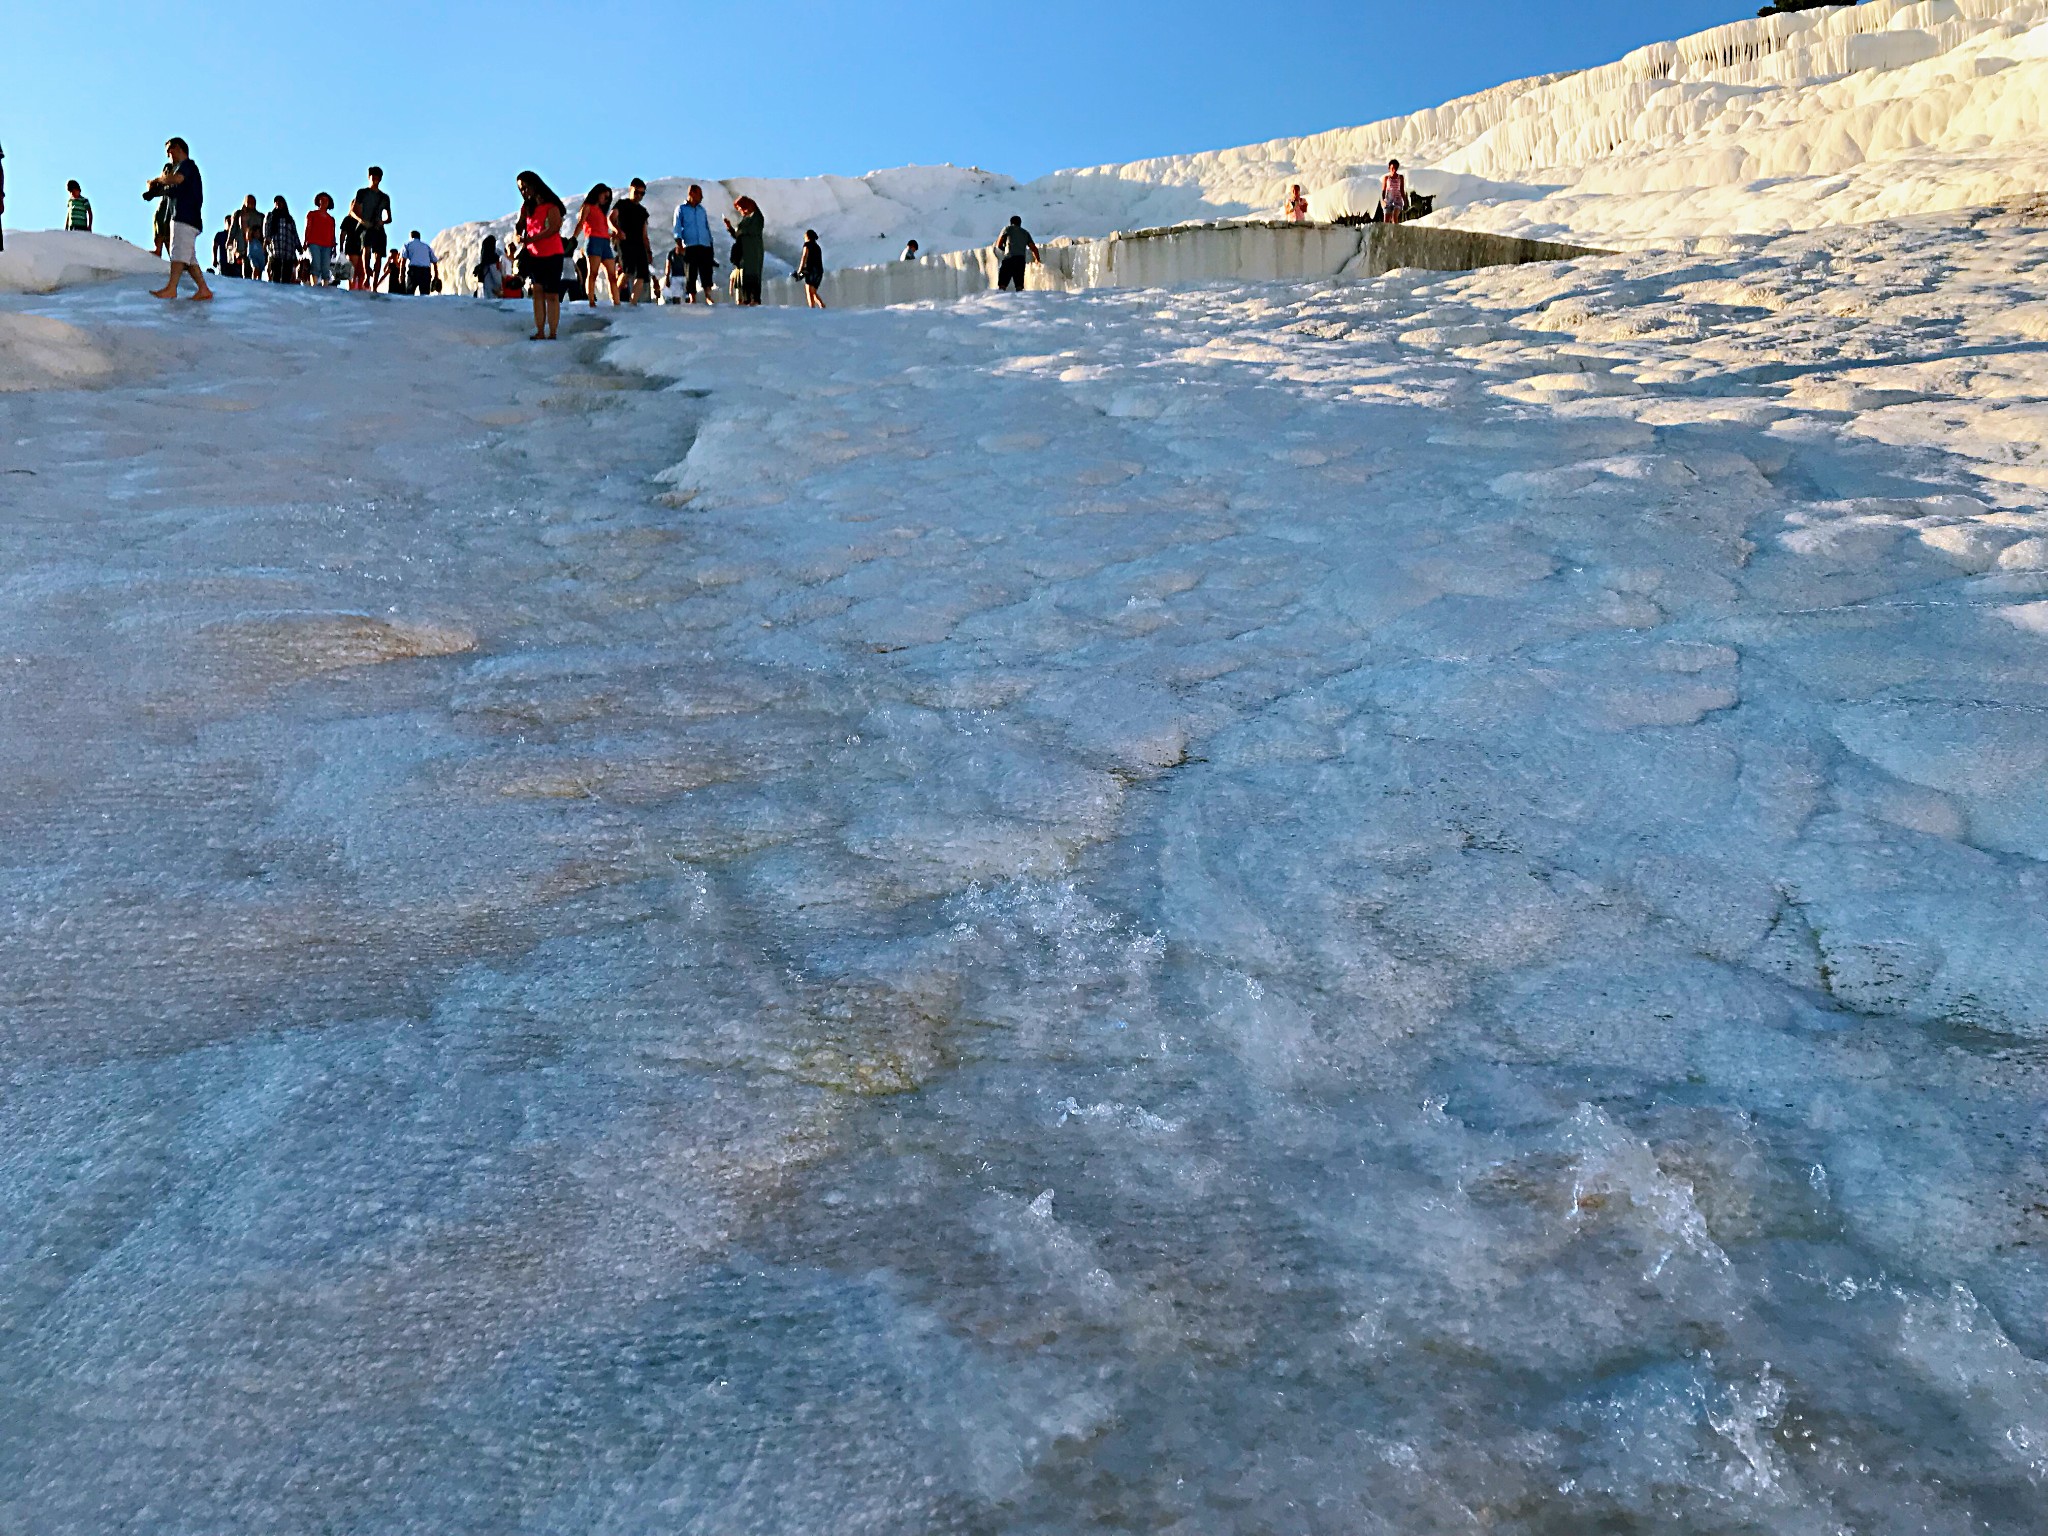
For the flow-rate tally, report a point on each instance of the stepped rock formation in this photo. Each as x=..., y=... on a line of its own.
x=1797, y=120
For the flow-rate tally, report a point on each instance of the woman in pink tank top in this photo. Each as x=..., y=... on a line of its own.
x=1393, y=193
x=594, y=225
x=540, y=253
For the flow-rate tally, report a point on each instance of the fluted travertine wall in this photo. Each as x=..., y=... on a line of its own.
x=1186, y=254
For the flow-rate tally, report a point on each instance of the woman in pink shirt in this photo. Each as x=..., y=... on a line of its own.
x=540, y=252
x=1393, y=193
x=594, y=225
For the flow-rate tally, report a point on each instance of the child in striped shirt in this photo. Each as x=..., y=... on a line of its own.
x=77, y=211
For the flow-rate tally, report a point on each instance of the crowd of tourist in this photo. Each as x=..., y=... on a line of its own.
x=270, y=244
x=606, y=249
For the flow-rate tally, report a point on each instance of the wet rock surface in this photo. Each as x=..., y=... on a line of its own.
x=1226, y=911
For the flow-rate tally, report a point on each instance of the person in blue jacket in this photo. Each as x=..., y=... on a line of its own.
x=693, y=236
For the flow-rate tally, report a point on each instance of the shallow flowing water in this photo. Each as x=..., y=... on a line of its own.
x=1106, y=914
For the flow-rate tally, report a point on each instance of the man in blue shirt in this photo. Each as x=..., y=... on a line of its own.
x=693, y=235
x=420, y=265
x=187, y=191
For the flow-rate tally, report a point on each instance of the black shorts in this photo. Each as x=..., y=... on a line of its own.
x=543, y=272
x=1010, y=273
x=373, y=240
x=697, y=265
x=637, y=262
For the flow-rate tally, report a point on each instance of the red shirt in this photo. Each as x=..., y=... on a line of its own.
x=319, y=227
x=538, y=244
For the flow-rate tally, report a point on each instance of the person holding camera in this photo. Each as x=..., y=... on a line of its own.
x=182, y=184
x=749, y=247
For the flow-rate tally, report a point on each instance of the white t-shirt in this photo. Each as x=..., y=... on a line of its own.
x=418, y=253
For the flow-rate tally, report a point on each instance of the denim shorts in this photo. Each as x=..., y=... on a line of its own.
x=598, y=248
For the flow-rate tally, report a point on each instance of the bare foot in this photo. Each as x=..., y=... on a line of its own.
x=163, y=293
x=537, y=336
x=204, y=296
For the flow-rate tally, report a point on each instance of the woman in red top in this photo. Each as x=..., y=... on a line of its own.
x=594, y=225
x=540, y=253
x=320, y=240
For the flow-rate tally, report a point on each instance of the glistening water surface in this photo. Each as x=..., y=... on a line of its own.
x=1132, y=913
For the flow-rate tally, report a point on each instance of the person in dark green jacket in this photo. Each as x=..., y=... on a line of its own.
x=749, y=247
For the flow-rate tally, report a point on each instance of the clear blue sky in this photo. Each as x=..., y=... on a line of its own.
x=452, y=99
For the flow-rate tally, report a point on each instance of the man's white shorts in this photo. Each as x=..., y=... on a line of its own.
x=184, y=245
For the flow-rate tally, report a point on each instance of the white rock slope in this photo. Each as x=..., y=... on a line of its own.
x=1791, y=122
x=1345, y=908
